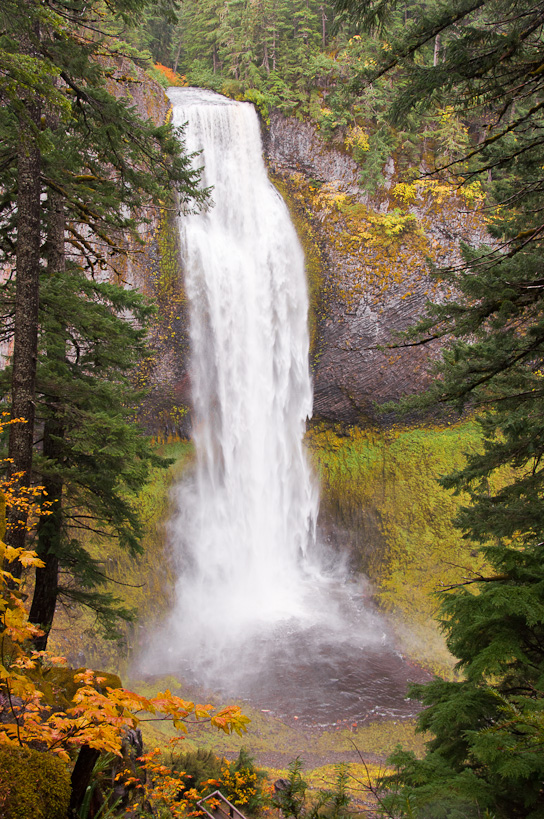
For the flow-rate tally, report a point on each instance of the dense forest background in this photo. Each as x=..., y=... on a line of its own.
x=307, y=59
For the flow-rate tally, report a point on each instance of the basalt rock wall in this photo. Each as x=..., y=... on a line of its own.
x=374, y=278
x=153, y=265
x=368, y=263
x=369, y=271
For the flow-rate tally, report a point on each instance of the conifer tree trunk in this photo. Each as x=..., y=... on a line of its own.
x=436, y=53
x=265, y=62
x=25, y=341
x=45, y=596
x=178, y=55
x=323, y=26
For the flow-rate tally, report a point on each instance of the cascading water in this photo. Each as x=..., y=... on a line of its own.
x=253, y=601
x=252, y=516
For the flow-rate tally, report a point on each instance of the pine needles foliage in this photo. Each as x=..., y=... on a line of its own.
x=486, y=756
x=79, y=166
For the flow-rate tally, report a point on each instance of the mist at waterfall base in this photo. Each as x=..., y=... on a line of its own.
x=262, y=612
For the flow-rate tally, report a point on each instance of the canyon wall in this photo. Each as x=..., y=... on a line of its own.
x=369, y=261
x=374, y=255
x=153, y=265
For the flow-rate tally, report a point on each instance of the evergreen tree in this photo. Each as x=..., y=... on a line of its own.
x=199, y=32
x=24, y=113
x=258, y=43
x=487, y=728
x=94, y=457
x=236, y=46
x=95, y=164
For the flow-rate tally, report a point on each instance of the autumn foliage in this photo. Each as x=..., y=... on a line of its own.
x=35, y=714
x=99, y=715
x=171, y=76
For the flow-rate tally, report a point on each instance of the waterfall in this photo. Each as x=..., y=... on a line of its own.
x=246, y=525
x=256, y=613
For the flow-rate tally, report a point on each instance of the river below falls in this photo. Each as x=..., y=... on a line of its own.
x=338, y=670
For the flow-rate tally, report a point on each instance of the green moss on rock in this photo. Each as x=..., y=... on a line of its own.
x=391, y=477
x=32, y=784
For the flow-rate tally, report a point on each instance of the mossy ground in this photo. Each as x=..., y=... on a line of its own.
x=32, y=784
x=382, y=487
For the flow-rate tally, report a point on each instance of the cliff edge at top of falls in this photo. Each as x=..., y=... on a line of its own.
x=368, y=267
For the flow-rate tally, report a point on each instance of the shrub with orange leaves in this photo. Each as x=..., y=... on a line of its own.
x=168, y=786
x=98, y=715
x=173, y=78
x=13, y=494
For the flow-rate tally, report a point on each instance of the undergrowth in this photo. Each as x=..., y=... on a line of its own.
x=145, y=584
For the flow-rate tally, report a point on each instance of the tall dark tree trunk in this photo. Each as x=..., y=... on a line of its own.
x=178, y=55
x=265, y=63
x=44, y=601
x=25, y=341
x=436, y=53
x=323, y=26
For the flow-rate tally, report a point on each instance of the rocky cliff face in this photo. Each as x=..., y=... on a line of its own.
x=374, y=277
x=369, y=271
x=368, y=261
x=154, y=267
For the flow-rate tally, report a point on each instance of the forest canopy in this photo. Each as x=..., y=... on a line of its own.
x=484, y=60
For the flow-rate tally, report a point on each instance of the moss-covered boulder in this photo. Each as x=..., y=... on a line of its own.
x=32, y=784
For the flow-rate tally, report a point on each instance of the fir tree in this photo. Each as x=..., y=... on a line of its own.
x=94, y=457
x=487, y=728
x=95, y=164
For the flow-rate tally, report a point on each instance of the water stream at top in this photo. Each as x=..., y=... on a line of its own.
x=258, y=613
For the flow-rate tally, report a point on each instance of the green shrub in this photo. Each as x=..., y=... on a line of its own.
x=290, y=799
x=244, y=784
x=260, y=101
x=32, y=784
x=199, y=766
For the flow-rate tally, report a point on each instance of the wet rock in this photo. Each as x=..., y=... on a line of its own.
x=375, y=276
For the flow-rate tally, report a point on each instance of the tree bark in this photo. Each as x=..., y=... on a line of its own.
x=323, y=26
x=178, y=55
x=25, y=340
x=81, y=776
x=265, y=63
x=436, y=54
x=44, y=601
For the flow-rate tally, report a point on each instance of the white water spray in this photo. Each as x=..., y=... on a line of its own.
x=247, y=522
x=255, y=614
